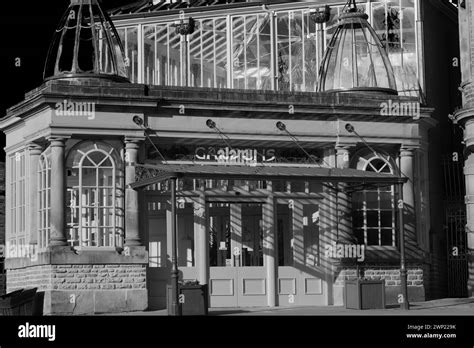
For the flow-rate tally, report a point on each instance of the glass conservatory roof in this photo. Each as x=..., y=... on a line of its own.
x=145, y=6
x=86, y=44
x=355, y=58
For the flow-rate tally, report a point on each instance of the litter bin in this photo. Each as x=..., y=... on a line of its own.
x=193, y=299
x=16, y=303
x=364, y=294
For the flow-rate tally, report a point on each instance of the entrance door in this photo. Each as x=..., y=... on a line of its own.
x=301, y=272
x=158, y=270
x=237, y=275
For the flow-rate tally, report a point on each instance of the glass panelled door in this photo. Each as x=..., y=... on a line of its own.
x=301, y=271
x=237, y=275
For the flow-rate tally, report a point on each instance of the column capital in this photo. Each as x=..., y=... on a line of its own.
x=343, y=146
x=343, y=154
x=55, y=141
x=133, y=142
x=407, y=151
x=35, y=149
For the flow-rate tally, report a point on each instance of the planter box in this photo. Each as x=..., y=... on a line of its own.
x=364, y=294
x=18, y=303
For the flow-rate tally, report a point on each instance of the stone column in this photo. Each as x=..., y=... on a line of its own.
x=270, y=251
x=132, y=217
x=34, y=151
x=201, y=238
x=407, y=169
x=58, y=192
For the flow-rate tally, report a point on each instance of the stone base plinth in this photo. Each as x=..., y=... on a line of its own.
x=84, y=283
x=88, y=302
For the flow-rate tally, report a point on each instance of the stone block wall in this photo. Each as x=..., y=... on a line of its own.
x=391, y=275
x=85, y=289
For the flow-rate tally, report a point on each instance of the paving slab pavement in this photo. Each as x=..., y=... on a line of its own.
x=443, y=307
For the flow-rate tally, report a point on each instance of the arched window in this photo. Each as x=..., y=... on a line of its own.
x=373, y=210
x=44, y=199
x=95, y=196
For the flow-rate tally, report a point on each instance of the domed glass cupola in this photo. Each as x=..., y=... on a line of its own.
x=86, y=45
x=355, y=59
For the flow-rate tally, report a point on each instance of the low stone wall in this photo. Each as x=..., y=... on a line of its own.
x=391, y=275
x=85, y=289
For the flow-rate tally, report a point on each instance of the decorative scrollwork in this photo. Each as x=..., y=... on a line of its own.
x=143, y=173
x=185, y=27
x=321, y=16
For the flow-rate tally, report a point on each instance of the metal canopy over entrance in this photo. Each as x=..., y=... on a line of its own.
x=238, y=242
x=148, y=174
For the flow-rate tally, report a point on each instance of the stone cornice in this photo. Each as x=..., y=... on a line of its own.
x=67, y=256
x=166, y=101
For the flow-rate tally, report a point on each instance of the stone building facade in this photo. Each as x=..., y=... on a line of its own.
x=269, y=177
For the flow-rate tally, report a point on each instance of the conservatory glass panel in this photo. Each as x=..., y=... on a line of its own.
x=250, y=48
x=129, y=38
x=394, y=22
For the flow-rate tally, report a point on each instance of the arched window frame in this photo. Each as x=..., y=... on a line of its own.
x=44, y=199
x=363, y=205
x=82, y=215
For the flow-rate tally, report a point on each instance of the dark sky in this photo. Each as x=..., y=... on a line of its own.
x=26, y=31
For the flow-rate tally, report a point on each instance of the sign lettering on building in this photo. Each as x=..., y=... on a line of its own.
x=234, y=156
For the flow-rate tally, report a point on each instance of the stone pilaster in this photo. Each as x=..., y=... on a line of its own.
x=34, y=151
